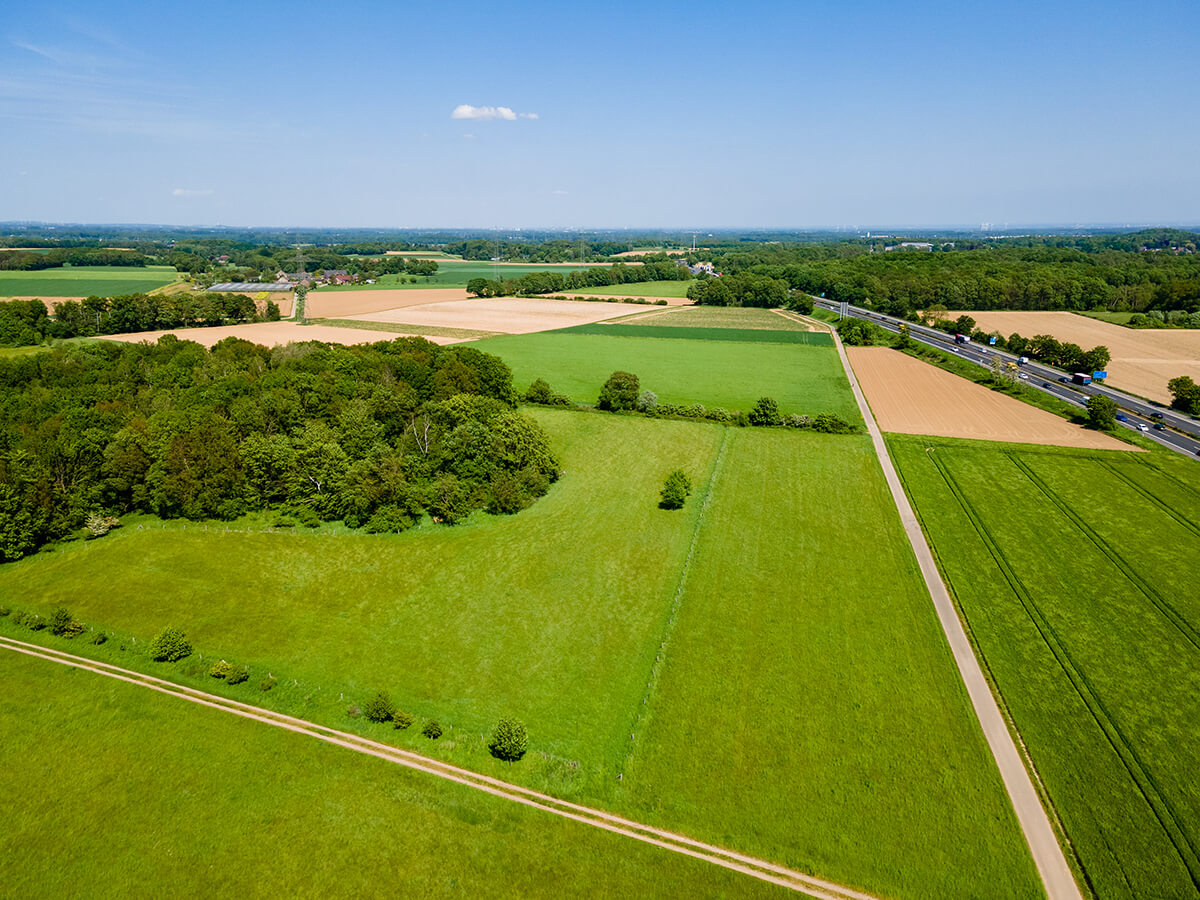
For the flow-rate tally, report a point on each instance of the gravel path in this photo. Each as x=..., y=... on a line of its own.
x=1043, y=843
x=676, y=843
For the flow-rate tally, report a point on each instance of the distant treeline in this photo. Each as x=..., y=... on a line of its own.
x=376, y=436
x=25, y=261
x=27, y=322
x=549, y=251
x=595, y=276
x=1036, y=277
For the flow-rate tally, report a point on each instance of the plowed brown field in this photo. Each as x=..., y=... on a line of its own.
x=339, y=304
x=912, y=397
x=272, y=334
x=1143, y=361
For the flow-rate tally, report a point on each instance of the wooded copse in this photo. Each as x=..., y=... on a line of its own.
x=596, y=276
x=27, y=322
x=56, y=258
x=374, y=435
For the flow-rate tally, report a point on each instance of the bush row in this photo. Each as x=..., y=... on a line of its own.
x=508, y=741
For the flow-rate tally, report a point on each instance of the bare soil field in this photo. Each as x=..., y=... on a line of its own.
x=271, y=334
x=49, y=301
x=1143, y=361
x=911, y=397
x=340, y=304
x=508, y=315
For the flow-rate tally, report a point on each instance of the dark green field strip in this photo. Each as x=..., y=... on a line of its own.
x=1087, y=728
x=691, y=333
x=798, y=670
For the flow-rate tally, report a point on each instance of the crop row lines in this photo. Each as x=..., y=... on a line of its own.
x=1149, y=495
x=1142, y=780
x=1160, y=602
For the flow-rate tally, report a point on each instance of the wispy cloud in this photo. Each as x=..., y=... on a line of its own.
x=192, y=192
x=466, y=111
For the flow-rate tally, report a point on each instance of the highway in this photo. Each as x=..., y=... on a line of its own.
x=1177, y=432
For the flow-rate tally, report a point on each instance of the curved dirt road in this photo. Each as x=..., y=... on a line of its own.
x=676, y=843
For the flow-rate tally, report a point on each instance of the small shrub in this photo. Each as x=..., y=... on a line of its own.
x=34, y=622
x=4, y=611
x=401, y=719
x=432, y=730
x=74, y=629
x=60, y=620
x=237, y=674
x=267, y=683
x=220, y=669
x=794, y=421
x=98, y=638
x=675, y=490
x=353, y=711
x=379, y=708
x=307, y=516
x=828, y=423
x=660, y=303
x=99, y=525
x=389, y=520
x=169, y=645
x=765, y=412
x=283, y=520
x=647, y=401
x=509, y=740
x=19, y=617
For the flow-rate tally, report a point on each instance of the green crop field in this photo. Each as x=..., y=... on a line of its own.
x=638, y=289
x=1114, y=318
x=717, y=317
x=84, y=281
x=1075, y=571
x=699, y=333
x=129, y=790
x=808, y=705
x=729, y=374
x=551, y=615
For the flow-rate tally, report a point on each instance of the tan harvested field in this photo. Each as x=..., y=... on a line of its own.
x=283, y=300
x=508, y=315
x=271, y=334
x=49, y=301
x=1143, y=361
x=340, y=304
x=912, y=397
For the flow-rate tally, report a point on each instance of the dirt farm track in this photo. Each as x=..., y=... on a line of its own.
x=908, y=396
x=1143, y=360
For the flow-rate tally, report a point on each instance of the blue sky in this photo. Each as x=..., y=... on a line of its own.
x=749, y=114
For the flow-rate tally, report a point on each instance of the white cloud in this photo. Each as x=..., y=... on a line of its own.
x=466, y=111
x=191, y=192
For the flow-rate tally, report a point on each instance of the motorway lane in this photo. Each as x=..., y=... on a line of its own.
x=1179, y=436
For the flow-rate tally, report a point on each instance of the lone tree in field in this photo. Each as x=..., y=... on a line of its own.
x=619, y=392
x=379, y=708
x=509, y=740
x=675, y=491
x=765, y=412
x=1101, y=413
x=170, y=645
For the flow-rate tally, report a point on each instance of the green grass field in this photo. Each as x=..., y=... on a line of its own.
x=685, y=333
x=84, y=281
x=727, y=374
x=638, y=289
x=716, y=317
x=551, y=615
x=1114, y=318
x=808, y=705
x=131, y=791
x=1076, y=571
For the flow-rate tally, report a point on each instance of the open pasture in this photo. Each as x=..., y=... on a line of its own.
x=908, y=396
x=728, y=374
x=507, y=315
x=1143, y=360
x=552, y=615
x=84, y=281
x=720, y=317
x=1075, y=572
x=808, y=705
x=151, y=790
x=649, y=289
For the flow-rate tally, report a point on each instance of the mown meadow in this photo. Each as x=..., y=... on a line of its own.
x=1075, y=572
x=84, y=281
x=114, y=790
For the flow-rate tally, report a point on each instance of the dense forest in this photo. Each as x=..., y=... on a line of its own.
x=27, y=322
x=27, y=261
x=374, y=435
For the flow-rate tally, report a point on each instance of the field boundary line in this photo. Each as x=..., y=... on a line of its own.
x=677, y=600
x=1057, y=878
x=1142, y=779
x=1152, y=497
x=1158, y=600
x=748, y=865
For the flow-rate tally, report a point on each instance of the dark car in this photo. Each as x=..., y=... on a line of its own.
x=1064, y=380
x=1156, y=415
x=1159, y=426
x=1045, y=384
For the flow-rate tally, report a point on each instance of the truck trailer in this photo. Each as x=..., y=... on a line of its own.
x=1081, y=378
